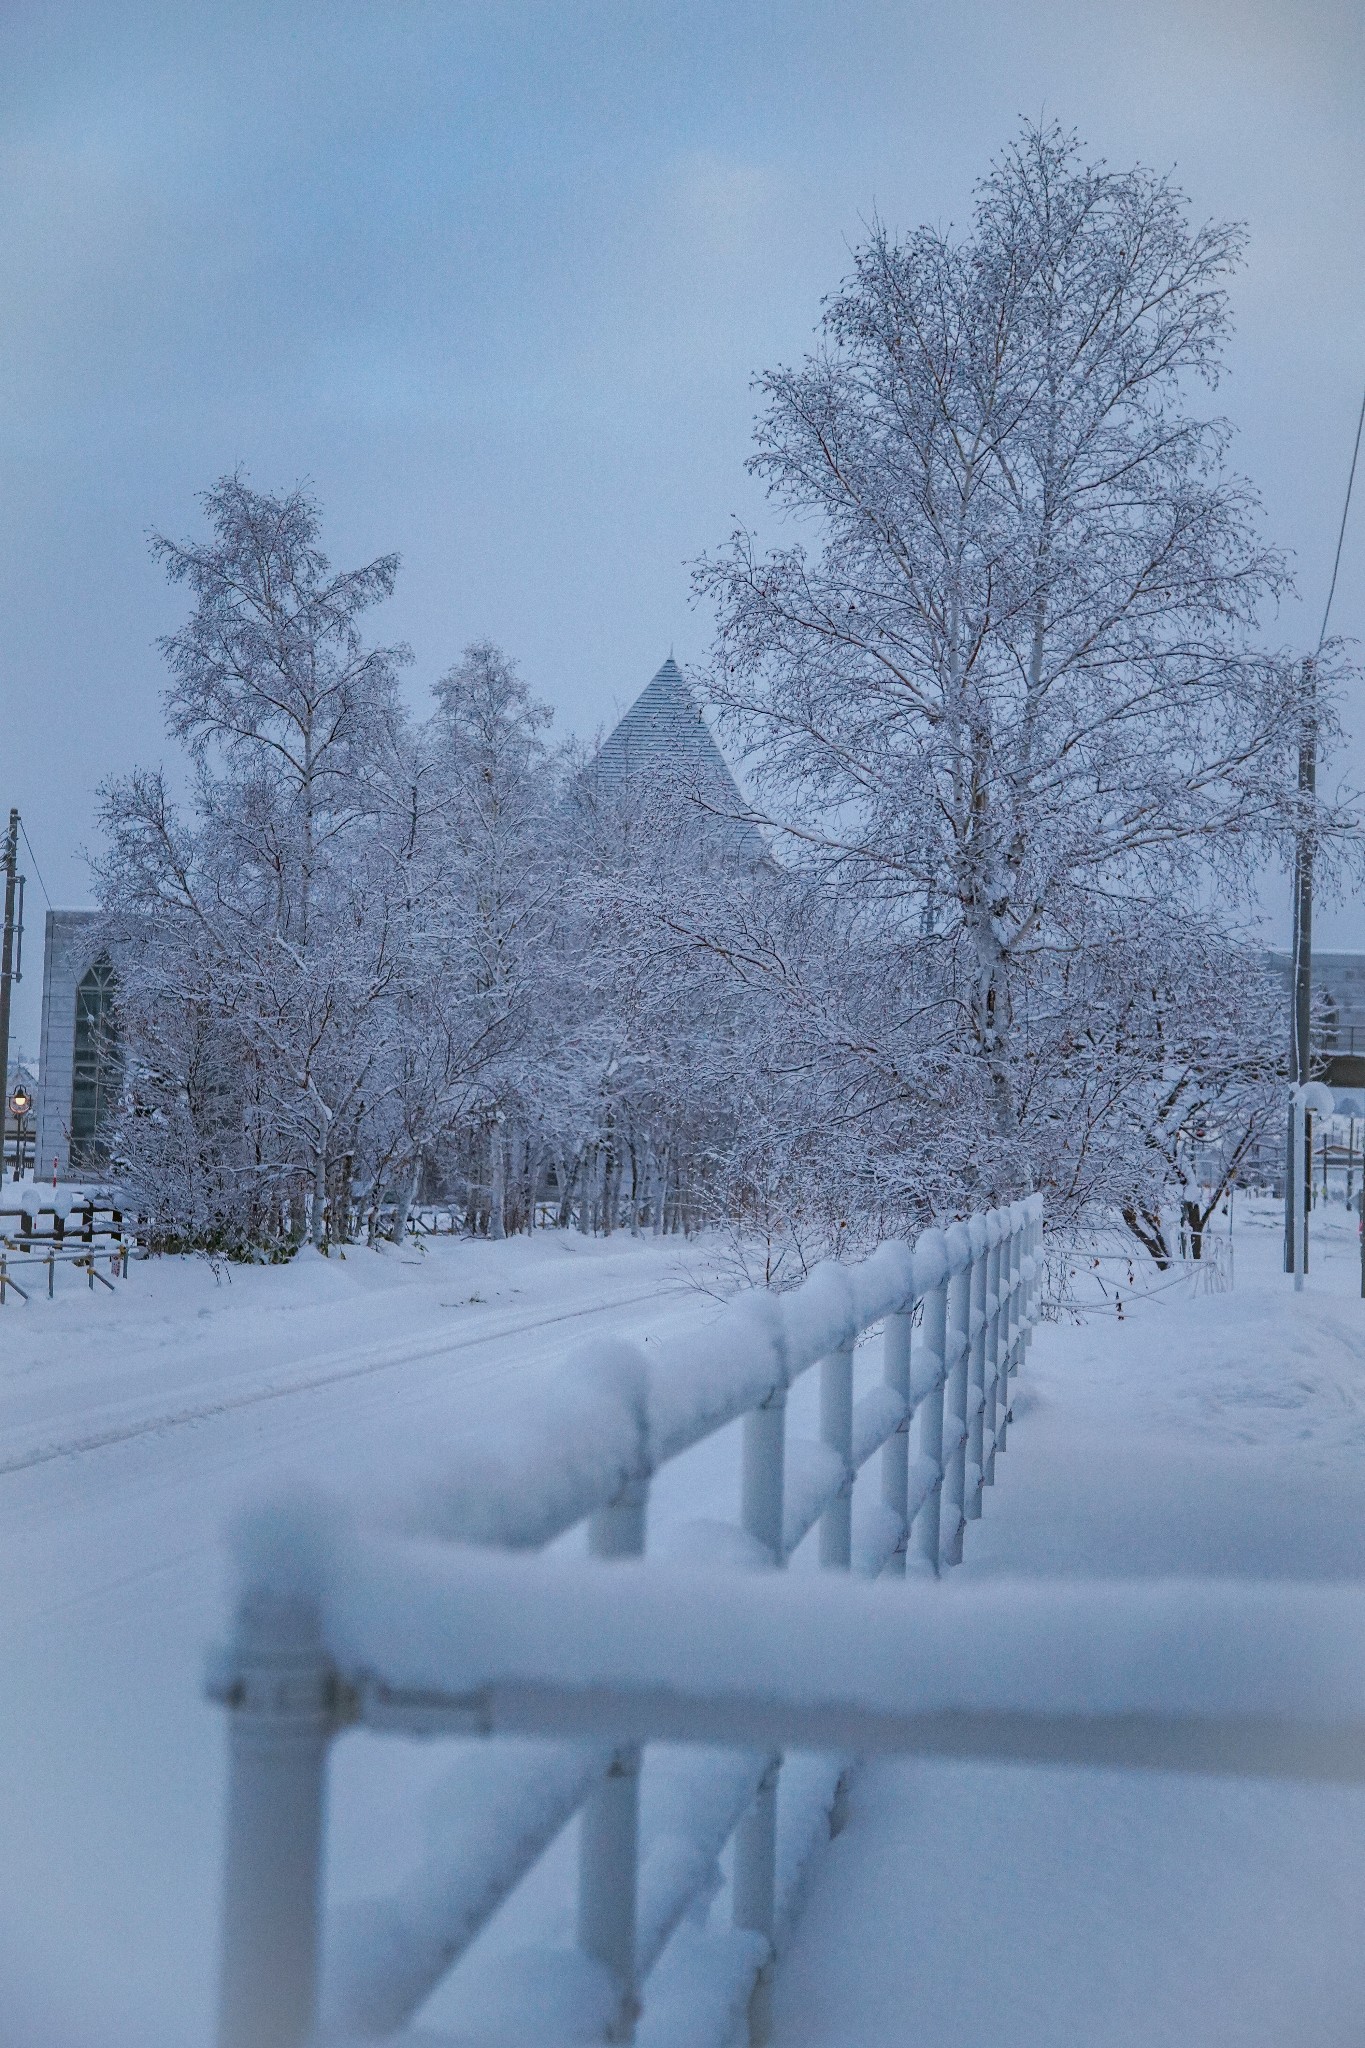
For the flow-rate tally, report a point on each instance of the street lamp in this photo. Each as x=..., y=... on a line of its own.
x=1305, y=1098
x=20, y=1103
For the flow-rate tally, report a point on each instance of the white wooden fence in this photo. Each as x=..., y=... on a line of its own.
x=393, y=1626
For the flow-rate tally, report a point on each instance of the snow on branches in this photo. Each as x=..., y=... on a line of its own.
x=1007, y=706
x=1015, y=752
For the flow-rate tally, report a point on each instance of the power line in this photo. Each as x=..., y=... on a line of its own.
x=1341, y=533
x=36, y=869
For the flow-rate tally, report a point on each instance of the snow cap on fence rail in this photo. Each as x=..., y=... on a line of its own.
x=438, y=1620
x=575, y=1433
x=701, y=1382
x=977, y=1235
x=819, y=1316
x=884, y=1283
x=289, y=1551
x=565, y=1445
x=931, y=1260
x=958, y=1241
x=486, y=1819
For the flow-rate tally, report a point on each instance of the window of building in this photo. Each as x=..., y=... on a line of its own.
x=94, y=1066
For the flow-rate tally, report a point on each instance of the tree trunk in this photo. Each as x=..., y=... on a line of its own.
x=1146, y=1228
x=1196, y=1222
x=497, y=1207
x=404, y=1197
x=608, y=1194
x=341, y=1208
x=634, y=1190
x=319, y=1197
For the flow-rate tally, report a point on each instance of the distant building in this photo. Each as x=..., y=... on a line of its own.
x=664, y=739
x=78, y=1054
x=1339, y=1014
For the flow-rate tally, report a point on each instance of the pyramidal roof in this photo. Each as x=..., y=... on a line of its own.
x=664, y=733
x=664, y=728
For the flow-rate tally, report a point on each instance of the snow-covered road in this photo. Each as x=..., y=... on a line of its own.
x=131, y=1426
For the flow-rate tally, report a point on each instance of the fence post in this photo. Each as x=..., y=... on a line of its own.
x=281, y=1694
x=755, y=1888
x=976, y=1394
x=896, y=1449
x=755, y=1872
x=933, y=1350
x=1009, y=1320
x=609, y=1826
x=998, y=1227
x=764, y=1472
x=836, y=1430
x=955, y=1392
x=1033, y=1242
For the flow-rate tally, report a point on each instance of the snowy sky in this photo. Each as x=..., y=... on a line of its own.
x=495, y=277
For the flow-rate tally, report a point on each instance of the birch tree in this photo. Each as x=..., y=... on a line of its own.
x=1010, y=672
x=289, y=717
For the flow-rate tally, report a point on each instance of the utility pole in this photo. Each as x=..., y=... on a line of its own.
x=11, y=962
x=1301, y=1011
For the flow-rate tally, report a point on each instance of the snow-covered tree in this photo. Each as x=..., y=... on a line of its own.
x=259, y=908
x=501, y=889
x=1013, y=676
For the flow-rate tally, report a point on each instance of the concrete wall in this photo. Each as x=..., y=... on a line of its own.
x=71, y=943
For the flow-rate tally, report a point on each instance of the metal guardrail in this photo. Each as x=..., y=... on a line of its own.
x=333, y=1631
x=80, y=1261
x=38, y=1236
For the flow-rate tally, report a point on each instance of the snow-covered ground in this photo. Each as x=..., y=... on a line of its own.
x=1042, y=1908
x=131, y=1426
x=1022, y=1907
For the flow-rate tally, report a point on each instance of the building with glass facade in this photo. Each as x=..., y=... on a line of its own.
x=78, y=1059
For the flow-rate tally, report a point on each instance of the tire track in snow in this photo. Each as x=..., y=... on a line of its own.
x=181, y=1418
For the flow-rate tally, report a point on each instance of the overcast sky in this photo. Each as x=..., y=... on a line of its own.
x=495, y=279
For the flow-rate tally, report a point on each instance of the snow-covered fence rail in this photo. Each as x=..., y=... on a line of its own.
x=37, y=1235
x=311, y=1655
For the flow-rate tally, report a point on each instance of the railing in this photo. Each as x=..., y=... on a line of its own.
x=1330, y=1038
x=38, y=1235
x=337, y=1629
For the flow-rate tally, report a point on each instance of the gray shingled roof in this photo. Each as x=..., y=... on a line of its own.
x=664, y=729
x=664, y=733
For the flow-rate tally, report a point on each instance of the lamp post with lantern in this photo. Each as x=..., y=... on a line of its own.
x=20, y=1107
